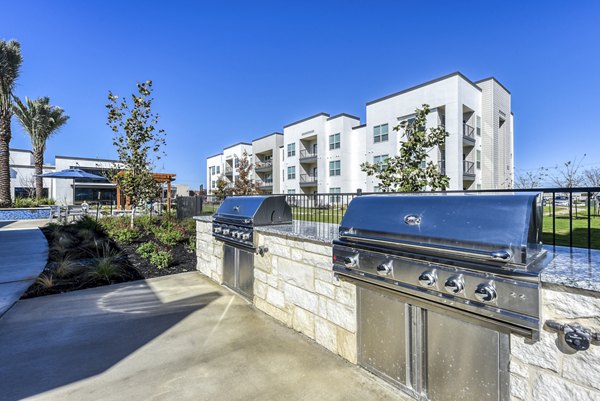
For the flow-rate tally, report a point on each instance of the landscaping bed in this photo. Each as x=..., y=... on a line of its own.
x=87, y=254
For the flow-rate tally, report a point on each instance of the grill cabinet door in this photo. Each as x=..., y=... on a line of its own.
x=465, y=361
x=382, y=334
x=229, y=262
x=245, y=271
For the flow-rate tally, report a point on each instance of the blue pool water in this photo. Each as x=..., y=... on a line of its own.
x=24, y=214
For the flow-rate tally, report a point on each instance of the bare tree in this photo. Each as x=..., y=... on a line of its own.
x=243, y=184
x=592, y=177
x=569, y=175
x=532, y=179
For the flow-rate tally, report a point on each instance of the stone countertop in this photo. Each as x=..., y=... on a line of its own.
x=573, y=267
x=207, y=219
x=304, y=230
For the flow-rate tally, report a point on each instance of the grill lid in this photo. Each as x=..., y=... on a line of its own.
x=254, y=210
x=498, y=228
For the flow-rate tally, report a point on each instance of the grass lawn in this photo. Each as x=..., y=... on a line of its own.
x=580, y=227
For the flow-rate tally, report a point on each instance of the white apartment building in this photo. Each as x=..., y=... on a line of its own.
x=225, y=164
x=323, y=153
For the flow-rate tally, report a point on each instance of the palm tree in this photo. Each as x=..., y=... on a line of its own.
x=40, y=120
x=10, y=62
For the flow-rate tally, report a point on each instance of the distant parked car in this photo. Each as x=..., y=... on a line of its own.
x=561, y=201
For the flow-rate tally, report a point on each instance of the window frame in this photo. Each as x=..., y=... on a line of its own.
x=378, y=137
x=333, y=144
x=335, y=168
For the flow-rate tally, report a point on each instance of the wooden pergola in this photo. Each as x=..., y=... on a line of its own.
x=161, y=178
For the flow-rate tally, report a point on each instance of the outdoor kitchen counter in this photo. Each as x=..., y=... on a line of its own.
x=304, y=230
x=573, y=267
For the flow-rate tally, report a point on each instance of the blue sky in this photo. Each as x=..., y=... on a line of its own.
x=232, y=71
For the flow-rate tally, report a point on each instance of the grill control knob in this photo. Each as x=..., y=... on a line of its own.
x=485, y=292
x=245, y=236
x=427, y=279
x=235, y=234
x=351, y=261
x=455, y=285
x=218, y=230
x=385, y=268
x=225, y=231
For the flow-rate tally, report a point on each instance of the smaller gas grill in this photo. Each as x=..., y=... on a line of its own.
x=234, y=224
x=235, y=220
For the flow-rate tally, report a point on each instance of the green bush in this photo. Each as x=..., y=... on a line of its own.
x=31, y=202
x=126, y=236
x=88, y=223
x=169, y=234
x=146, y=249
x=161, y=259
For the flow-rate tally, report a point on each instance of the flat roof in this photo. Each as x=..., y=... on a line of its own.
x=307, y=118
x=494, y=79
x=344, y=115
x=19, y=150
x=87, y=158
x=359, y=126
x=412, y=88
x=218, y=154
x=266, y=136
x=239, y=143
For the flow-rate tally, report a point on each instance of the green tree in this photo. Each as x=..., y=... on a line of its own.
x=10, y=63
x=410, y=171
x=243, y=184
x=138, y=142
x=40, y=120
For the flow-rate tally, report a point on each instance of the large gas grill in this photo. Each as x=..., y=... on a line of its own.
x=442, y=268
x=237, y=216
x=234, y=224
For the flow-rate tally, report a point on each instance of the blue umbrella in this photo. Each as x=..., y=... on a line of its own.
x=72, y=174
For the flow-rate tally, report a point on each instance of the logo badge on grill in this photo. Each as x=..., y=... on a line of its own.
x=412, y=219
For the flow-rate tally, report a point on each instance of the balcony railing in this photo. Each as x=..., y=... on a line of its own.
x=264, y=183
x=468, y=168
x=228, y=170
x=468, y=132
x=308, y=179
x=266, y=165
x=307, y=155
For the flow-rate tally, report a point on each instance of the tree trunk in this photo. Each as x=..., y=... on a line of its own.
x=38, y=161
x=5, y=193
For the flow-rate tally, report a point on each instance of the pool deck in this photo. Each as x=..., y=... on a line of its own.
x=23, y=255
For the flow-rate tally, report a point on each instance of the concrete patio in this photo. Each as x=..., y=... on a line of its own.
x=179, y=337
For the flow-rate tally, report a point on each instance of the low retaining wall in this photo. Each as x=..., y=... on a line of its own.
x=294, y=283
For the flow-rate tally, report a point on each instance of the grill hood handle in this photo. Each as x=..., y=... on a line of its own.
x=502, y=255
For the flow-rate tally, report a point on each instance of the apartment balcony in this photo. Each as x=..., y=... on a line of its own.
x=468, y=135
x=307, y=156
x=468, y=170
x=307, y=180
x=228, y=170
x=263, y=166
x=442, y=167
x=264, y=185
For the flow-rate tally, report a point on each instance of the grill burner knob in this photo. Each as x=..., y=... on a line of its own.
x=455, y=285
x=225, y=231
x=245, y=236
x=427, y=279
x=351, y=261
x=385, y=268
x=485, y=292
x=218, y=230
x=235, y=234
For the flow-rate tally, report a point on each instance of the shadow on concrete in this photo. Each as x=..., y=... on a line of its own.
x=82, y=334
x=6, y=223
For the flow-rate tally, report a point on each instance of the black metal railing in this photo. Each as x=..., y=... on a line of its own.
x=308, y=179
x=307, y=154
x=468, y=167
x=264, y=183
x=228, y=170
x=468, y=132
x=266, y=165
x=571, y=215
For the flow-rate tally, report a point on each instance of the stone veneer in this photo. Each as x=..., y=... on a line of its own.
x=294, y=283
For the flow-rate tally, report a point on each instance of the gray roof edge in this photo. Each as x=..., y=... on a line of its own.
x=344, y=115
x=494, y=79
x=266, y=136
x=306, y=119
x=87, y=158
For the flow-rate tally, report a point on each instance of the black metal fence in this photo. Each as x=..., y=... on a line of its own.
x=571, y=215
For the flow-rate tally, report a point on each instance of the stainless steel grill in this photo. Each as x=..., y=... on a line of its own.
x=234, y=224
x=455, y=265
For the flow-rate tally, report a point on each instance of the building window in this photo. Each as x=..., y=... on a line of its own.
x=478, y=187
x=218, y=169
x=334, y=168
x=478, y=159
x=213, y=184
x=334, y=141
x=380, y=133
x=335, y=199
x=291, y=149
x=291, y=173
x=376, y=189
x=283, y=175
x=291, y=191
x=236, y=162
x=478, y=128
x=380, y=159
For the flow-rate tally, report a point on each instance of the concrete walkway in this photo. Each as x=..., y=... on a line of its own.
x=179, y=337
x=23, y=255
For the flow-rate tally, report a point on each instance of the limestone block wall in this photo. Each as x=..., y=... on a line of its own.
x=549, y=369
x=209, y=253
x=294, y=283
